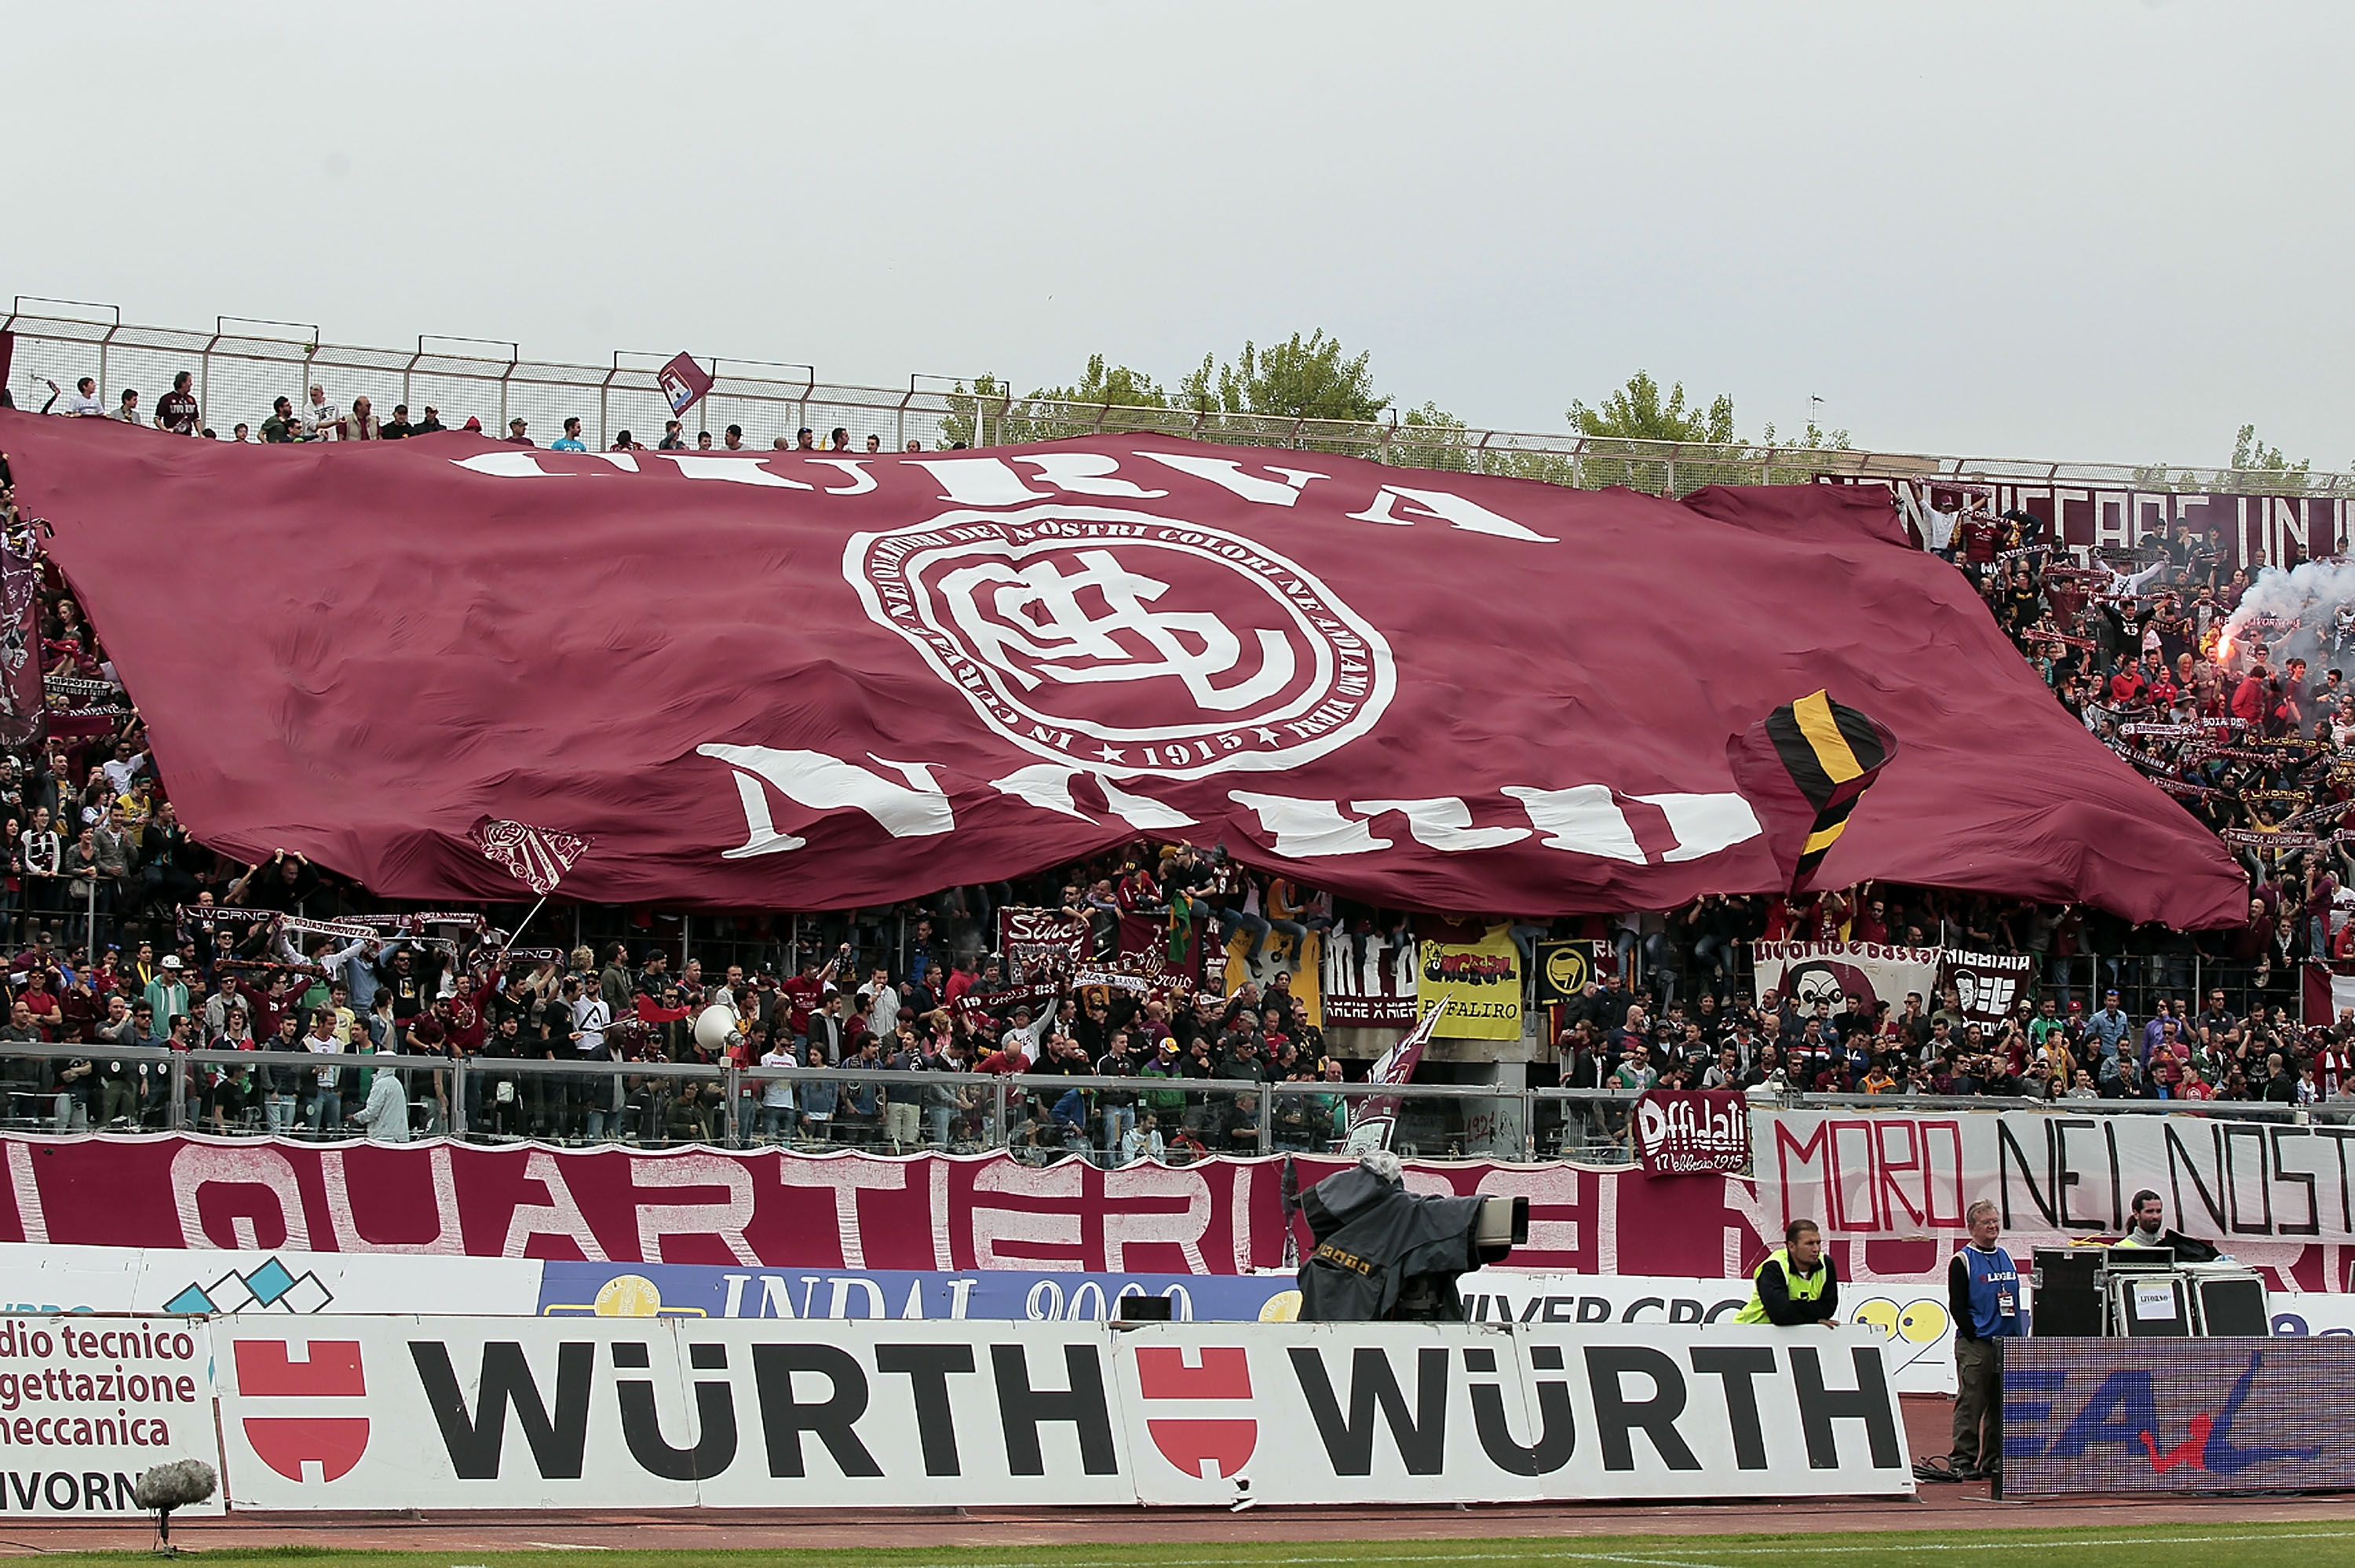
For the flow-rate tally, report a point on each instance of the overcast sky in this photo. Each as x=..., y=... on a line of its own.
x=2093, y=231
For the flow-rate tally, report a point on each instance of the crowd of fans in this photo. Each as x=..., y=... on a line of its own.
x=178, y=413
x=126, y=931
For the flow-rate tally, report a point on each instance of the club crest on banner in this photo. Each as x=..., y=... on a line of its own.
x=1122, y=642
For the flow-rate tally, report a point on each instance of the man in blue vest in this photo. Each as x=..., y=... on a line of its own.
x=1982, y=1296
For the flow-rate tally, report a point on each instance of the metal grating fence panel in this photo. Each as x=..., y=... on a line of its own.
x=241, y=370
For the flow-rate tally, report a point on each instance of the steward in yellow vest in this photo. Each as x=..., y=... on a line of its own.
x=1796, y=1285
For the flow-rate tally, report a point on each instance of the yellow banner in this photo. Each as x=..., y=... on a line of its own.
x=1277, y=956
x=1482, y=981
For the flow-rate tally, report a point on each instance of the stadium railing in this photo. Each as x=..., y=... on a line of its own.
x=241, y=364
x=630, y=1102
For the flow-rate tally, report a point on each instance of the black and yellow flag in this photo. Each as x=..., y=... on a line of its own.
x=1803, y=768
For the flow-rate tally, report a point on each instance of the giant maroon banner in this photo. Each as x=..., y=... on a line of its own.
x=808, y=681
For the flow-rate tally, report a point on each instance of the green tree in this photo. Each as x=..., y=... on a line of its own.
x=2252, y=457
x=1636, y=412
x=1302, y=379
x=1116, y=384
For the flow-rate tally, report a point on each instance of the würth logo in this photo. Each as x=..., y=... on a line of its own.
x=1214, y=1448
x=329, y=1370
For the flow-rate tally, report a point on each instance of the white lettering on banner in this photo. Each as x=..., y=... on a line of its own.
x=594, y=1413
x=1087, y=473
x=1149, y=816
x=811, y=780
x=730, y=470
x=846, y=1178
x=1128, y=1227
x=1229, y=475
x=981, y=482
x=1049, y=787
x=26, y=1191
x=449, y=1235
x=1054, y=1226
x=1439, y=506
x=991, y=482
x=560, y=1218
x=1584, y=820
x=1443, y=824
x=1306, y=829
x=507, y=465
x=861, y=481
x=85, y=1407
x=1045, y=786
x=196, y=1166
x=726, y=1220
x=2055, y=1176
x=1705, y=824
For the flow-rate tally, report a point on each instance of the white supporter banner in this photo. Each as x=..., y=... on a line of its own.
x=488, y=1414
x=1810, y=972
x=87, y=1404
x=45, y=1278
x=2252, y=1187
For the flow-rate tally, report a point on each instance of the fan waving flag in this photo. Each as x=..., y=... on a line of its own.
x=537, y=857
x=1374, y=1119
x=1804, y=767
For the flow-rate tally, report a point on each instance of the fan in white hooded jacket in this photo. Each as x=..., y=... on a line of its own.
x=386, y=1115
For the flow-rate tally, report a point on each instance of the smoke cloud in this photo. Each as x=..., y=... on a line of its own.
x=2319, y=595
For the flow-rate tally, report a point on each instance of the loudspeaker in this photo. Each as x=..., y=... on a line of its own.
x=2233, y=1306
x=1143, y=1309
x=2068, y=1294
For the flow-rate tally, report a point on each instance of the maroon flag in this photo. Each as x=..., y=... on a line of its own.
x=537, y=857
x=790, y=680
x=24, y=701
x=684, y=382
x=1692, y=1132
x=1374, y=1118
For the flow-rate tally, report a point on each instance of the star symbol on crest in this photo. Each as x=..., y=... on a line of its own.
x=1267, y=736
x=1111, y=754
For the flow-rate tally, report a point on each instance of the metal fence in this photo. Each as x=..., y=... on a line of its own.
x=241, y=366
x=661, y=1104
x=658, y=1105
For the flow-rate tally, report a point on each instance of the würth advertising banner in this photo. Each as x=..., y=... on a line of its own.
x=2054, y=1176
x=1002, y=661
x=602, y=1412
